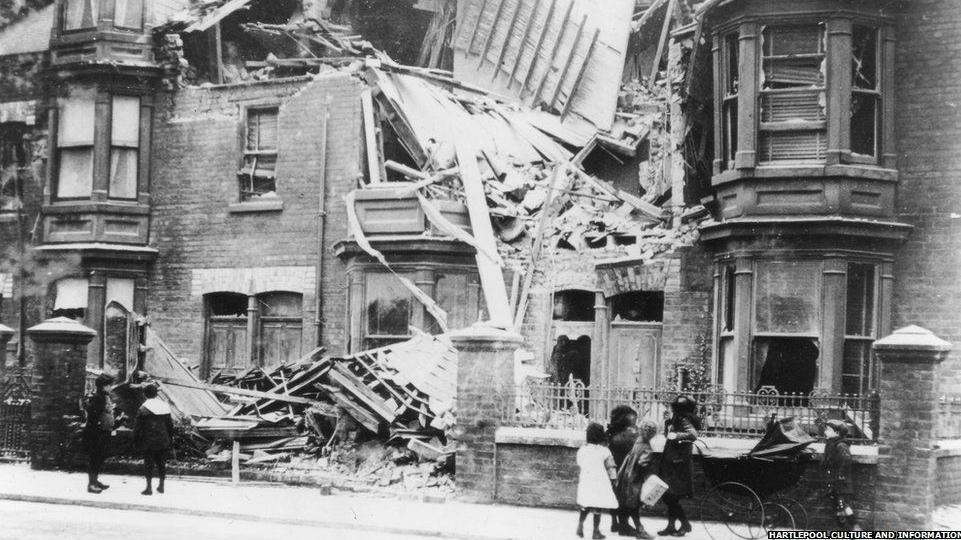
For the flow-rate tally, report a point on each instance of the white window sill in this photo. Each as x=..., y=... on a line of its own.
x=256, y=206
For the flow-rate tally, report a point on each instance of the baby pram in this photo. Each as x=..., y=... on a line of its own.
x=744, y=491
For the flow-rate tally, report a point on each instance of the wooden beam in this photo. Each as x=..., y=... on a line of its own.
x=554, y=50
x=491, y=275
x=580, y=75
x=507, y=41
x=537, y=48
x=223, y=389
x=370, y=138
x=665, y=30
x=570, y=60
x=524, y=36
x=346, y=380
x=487, y=41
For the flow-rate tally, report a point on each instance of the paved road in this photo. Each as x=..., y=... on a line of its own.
x=19, y=520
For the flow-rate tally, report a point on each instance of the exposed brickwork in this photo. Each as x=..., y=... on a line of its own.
x=484, y=363
x=197, y=153
x=687, y=309
x=928, y=127
x=58, y=386
x=949, y=481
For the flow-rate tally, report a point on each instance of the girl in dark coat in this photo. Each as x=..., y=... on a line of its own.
x=153, y=434
x=838, y=469
x=637, y=466
x=681, y=432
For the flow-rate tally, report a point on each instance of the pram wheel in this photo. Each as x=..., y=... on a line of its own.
x=798, y=512
x=736, y=506
x=778, y=517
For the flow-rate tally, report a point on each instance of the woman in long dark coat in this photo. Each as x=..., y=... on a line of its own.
x=153, y=434
x=676, y=465
x=621, y=434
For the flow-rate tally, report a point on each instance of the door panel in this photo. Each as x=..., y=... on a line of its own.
x=280, y=342
x=227, y=346
x=635, y=354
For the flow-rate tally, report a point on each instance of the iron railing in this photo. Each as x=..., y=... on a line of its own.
x=723, y=413
x=949, y=416
x=14, y=418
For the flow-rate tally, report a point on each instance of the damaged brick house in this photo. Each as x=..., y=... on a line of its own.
x=773, y=198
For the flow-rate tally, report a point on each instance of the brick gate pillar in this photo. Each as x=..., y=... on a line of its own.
x=485, y=364
x=59, y=349
x=6, y=333
x=908, y=360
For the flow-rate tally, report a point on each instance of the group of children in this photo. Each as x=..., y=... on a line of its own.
x=614, y=465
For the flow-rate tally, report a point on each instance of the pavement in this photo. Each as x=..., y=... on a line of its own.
x=262, y=504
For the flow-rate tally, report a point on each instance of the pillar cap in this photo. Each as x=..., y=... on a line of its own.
x=912, y=339
x=5, y=333
x=61, y=329
x=485, y=333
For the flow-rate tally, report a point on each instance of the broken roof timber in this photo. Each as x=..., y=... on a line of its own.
x=531, y=47
x=217, y=15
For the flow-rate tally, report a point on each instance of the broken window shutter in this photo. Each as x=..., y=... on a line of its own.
x=793, y=146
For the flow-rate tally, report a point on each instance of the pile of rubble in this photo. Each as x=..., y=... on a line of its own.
x=324, y=410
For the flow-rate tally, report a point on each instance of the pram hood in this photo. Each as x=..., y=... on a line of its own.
x=783, y=439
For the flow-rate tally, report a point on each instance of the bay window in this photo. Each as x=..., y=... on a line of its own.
x=80, y=14
x=811, y=91
x=858, y=371
x=387, y=311
x=79, y=175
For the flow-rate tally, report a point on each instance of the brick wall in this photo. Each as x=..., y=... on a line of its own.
x=196, y=155
x=928, y=127
x=688, y=301
x=949, y=480
x=547, y=476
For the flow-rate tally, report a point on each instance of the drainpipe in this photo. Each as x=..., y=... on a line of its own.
x=321, y=229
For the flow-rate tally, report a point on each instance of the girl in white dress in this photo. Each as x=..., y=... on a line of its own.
x=595, y=485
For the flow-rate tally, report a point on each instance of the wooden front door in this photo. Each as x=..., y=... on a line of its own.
x=635, y=355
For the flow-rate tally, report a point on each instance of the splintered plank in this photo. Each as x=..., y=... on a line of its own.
x=368, y=397
x=536, y=50
x=475, y=26
x=355, y=411
x=580, y=75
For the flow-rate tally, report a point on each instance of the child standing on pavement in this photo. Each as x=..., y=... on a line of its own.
x=595, y=485
x=636, y=468
x=837, y=467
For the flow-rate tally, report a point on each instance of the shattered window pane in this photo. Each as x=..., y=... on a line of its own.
x=262, y=129
x=792, y=94
x=787, y=297
x=79, y=14
x=388, y=306
x=857, y=368
x=227, y=304
x=864, y=57
x=281, y=304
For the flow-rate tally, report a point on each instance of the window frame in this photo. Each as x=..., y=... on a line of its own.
x=871, y=375
x=247, y=176
x=837, y=91
x=114, y=146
